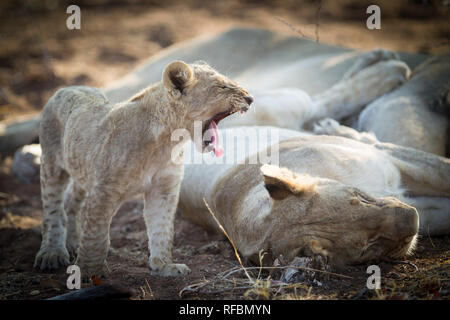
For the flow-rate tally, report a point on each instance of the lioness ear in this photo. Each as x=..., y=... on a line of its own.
x=281, y=182
x=176, y=77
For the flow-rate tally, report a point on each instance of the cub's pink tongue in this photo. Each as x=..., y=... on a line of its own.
x=217, y=148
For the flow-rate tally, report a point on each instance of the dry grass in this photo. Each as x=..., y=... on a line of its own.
x=257, y=283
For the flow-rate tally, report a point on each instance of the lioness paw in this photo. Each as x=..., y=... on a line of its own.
x=51, y=258
x=171, y=270
x=326, y=126
x=368, y=59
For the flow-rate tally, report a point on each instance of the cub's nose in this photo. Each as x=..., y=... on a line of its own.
x=248, y=99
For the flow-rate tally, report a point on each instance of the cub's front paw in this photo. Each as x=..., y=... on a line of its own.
x=158, y=268
x=89, y=271
x=72, y=246
x=51, y=258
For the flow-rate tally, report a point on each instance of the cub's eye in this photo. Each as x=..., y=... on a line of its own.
x=224, y=87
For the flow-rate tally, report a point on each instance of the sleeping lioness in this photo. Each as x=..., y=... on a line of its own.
x=346, y=200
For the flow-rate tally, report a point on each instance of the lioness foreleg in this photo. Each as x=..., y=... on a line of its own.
x=373, y=74
x=423, y=173
x=370, y=58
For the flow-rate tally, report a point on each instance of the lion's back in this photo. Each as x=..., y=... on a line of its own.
x=69, y=99
x=65, y=105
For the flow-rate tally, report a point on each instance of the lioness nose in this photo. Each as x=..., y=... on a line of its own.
x=406, y=220
x=248, y=99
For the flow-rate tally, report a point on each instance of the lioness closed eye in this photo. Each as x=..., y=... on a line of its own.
x=95, y=155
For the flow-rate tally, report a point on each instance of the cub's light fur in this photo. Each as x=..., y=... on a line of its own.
x=349, y=201
x=101, y=154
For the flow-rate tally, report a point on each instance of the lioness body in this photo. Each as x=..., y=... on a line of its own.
x=269, y=64
x=354, y=198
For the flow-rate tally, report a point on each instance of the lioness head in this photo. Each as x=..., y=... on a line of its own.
x=208, y=96
x=342, y=223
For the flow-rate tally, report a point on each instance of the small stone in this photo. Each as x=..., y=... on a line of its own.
x=211, y=248
x=35, y=292
x=127, y=229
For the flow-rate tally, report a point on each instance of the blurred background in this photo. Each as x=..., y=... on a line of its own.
x=39, y=54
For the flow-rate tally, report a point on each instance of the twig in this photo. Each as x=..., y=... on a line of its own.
x=193, y=287
x=360, y=294
x=222, y=278
x=319, y=7
x=294, y=267
x=440, y=43
x=5, y=195
x=9, y=294
x=103, y=292
x=230, y=289
x=404, y=262
x=292, y=27
x=429, y=237
x=149, y=288
x=271, y=284
x=261, y=255
x=229, y=239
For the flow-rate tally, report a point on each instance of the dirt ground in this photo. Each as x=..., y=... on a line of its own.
x=38, y=54
x=209, y=257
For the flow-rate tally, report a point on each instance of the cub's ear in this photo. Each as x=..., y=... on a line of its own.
x=281, y=182
x=176, y=77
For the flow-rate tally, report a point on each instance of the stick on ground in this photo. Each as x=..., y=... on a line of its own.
x=103, y=292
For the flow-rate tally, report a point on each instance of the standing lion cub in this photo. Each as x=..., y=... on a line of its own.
x=96, y=155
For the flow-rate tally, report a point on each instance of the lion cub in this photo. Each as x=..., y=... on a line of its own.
x=96, y=155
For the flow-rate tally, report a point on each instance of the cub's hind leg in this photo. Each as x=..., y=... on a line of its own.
x=53, y=252
x=74, y=199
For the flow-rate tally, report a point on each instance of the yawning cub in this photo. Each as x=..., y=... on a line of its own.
x=95, y=155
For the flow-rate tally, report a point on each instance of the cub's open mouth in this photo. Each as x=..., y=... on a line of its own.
x=210, y=132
